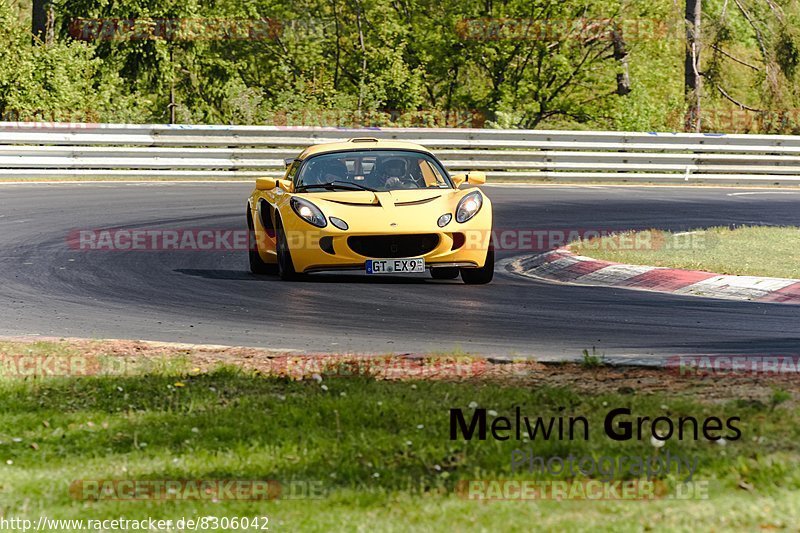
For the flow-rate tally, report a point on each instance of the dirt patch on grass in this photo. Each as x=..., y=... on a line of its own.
x=21, y=355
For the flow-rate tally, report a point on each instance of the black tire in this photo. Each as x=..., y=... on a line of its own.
x=482, y=275
x=257, y=265
x=445, y=272
x=286, y=269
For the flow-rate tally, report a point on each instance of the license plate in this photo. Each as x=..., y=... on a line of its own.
x=395, y=266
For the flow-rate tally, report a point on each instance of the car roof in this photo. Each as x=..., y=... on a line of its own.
x=361, y=143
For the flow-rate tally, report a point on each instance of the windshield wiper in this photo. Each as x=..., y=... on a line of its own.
x=356, y=185
x=333, y=185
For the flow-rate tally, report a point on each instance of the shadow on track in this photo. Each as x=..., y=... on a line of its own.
x=243, y=275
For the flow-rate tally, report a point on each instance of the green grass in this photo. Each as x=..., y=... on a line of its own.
x=592, y=360
x=752, y=250
x=380, y=449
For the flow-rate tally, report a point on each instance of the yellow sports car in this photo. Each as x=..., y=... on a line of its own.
x=382, y=207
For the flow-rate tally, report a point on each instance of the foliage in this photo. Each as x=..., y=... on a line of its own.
x=516, y=63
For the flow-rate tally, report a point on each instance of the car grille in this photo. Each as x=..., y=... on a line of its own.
x=389, y=246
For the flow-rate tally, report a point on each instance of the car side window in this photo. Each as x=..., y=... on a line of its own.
x=431, y=175
x=292, y=172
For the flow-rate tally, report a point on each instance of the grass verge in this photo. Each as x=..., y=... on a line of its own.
x=747, y=251
x=372, y=441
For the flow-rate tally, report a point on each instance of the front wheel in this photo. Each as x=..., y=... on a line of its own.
x=286, y=269
x=257, y=265
x=482, y=275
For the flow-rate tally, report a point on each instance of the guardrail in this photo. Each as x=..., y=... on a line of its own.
x=54, y=150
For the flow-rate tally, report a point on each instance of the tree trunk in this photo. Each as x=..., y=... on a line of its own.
x=621, y=55
x=43, y=21
x=692, y=82
x=362, y=45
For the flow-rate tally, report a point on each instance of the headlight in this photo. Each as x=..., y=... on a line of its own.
x=444, y=220
x=469, y=206
x=308, y=212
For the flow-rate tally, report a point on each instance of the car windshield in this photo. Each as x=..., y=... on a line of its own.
x=372, y=170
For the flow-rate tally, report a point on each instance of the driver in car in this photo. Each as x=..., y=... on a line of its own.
x=394, y=175
x=327, y=171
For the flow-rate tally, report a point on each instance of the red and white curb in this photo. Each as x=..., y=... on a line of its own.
x=563, y=266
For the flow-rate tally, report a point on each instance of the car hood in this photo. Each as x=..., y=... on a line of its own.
x=402, y=210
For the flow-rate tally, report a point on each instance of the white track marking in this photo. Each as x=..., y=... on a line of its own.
x=736, y=287
x=761, y=192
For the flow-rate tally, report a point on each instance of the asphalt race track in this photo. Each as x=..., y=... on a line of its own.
x=50, y=289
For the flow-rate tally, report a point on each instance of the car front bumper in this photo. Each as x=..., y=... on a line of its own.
x=456, y=245
x=450, y=250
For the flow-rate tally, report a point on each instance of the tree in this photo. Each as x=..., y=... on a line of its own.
x=43, y=21
x=692, y=76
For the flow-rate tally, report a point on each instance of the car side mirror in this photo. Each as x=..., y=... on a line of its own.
x=473, y=178
x=476, y=178
x=458, y=179
x=286, y=185
x=265, y=184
